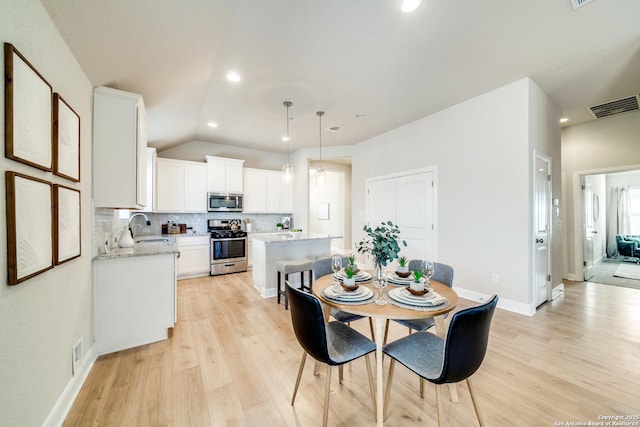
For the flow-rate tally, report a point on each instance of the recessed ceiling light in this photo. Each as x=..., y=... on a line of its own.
x=212, y=124
x=563, y=120
x=409, y=5
x=232, y=76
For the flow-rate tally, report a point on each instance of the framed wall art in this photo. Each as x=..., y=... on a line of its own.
x=29, y=227
x=28, y=118
x=66, y=223
x=66, y=140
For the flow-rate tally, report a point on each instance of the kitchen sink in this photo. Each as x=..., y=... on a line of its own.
x=158, y=240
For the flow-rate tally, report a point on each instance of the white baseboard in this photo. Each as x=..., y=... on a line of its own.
x=503, y=303
x=573, y=277
x=557, y=291
x=65, y=401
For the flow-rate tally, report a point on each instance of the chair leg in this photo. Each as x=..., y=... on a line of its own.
x=386, y=332
x=279, y=288
x=286, y=298
x=475, y=404
x=373, y=335
x=392, y=364
x=439, y=405
x=421, y=387
x=371, y=388
x=295, y=389
x=327, y=392
x=340, y=373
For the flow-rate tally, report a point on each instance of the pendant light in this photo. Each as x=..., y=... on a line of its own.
x=320, y=174
x=288, y=168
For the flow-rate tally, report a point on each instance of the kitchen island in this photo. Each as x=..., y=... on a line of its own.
x=268, y=249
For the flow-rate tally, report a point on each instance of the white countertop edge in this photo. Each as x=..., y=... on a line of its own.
x=281, y=238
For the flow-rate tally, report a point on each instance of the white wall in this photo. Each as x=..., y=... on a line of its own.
x=483, y=151
x=43, y=317
x=196, y=151
x=336, y=192
x=604, y=145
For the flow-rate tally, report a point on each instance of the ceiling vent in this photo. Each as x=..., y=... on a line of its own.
x=612, y=108
x=579, y=3
x=334, y=128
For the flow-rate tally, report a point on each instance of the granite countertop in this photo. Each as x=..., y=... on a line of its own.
x=145, y=246
x=288, y=237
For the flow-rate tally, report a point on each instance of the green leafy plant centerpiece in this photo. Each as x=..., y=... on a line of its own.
x=402, y=261
x=382, y=245
x=417, y=276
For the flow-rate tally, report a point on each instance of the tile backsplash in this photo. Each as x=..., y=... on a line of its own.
x=110, y=223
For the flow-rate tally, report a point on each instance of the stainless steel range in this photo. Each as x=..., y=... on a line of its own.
x=228, y=247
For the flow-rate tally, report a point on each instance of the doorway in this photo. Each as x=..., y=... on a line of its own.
x=542, y=229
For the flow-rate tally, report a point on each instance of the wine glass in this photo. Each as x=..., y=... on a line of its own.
x=336, y=265
x=428, y=269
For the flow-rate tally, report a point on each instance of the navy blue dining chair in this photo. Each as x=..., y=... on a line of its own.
x=332, y=343
x=446, y=360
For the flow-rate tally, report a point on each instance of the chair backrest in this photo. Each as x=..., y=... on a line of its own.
x=442, y=273
x=466, y=342
x=322, y=266
x=308, y=323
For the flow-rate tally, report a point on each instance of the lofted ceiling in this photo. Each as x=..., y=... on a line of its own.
x=368, y=65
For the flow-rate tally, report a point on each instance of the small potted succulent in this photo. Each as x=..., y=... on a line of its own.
x=352, y=264
x=279, y=226
x=403, y=267
x=349, y=282
x=418, y=282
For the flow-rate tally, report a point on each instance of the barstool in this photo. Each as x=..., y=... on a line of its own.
x=290, y=267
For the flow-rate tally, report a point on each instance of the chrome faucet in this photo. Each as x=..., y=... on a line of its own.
x=132, y=217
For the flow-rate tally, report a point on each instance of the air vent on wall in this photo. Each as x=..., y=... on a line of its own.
x=619, y=106
x=579, y=3
x=334, y=128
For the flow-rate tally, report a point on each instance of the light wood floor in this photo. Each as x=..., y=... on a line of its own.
x=233, y=359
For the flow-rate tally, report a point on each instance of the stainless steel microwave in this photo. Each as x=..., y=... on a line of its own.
x=224, y=202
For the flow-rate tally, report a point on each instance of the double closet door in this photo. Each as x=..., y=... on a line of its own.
x=408, y=200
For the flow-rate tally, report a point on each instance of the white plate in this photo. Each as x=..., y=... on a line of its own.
x=402, y=295
x=337, y=293
x=394, y=278
x=360, y=276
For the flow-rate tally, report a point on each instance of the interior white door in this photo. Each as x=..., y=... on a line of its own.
x=415, y=214
x=542, y=216
x=588, y=228
x=381, y=201
x=408, y=201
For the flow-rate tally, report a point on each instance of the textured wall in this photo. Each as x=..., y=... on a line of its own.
x=43, y=317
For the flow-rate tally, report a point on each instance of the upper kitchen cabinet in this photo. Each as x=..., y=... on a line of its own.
x=224, y=175
x=119, y=149
x=181, y=186
x=266, y=191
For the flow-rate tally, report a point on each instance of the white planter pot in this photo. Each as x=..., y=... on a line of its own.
x=417, y=286
x=349, y=282
x=404, y=269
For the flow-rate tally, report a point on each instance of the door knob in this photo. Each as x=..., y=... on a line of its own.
x=539, y=241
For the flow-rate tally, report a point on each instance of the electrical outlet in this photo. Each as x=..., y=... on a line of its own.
x=495, y=277
x=77, y=353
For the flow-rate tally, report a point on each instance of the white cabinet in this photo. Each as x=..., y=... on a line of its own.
x=180, y=186
x=119, y=149
x=224, y=175
x=151, y=179
x=266, y=191
x=194, y=258
x=135, y=300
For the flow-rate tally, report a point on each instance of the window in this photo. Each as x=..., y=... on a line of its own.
x=634, y=196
